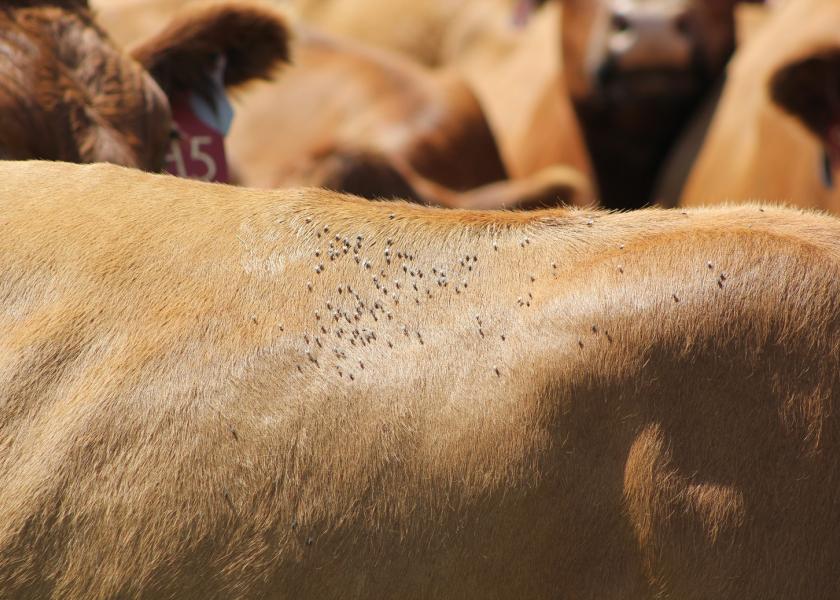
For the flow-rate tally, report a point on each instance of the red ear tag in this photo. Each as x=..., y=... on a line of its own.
x=200, y=151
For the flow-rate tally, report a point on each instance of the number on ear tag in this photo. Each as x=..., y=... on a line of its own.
x=200, y=151
x=202, y=125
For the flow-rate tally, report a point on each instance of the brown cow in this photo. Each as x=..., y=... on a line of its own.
x=636, y=70
x=69, y=94
x=215, y=392
x=754, y=149
x=673, y=175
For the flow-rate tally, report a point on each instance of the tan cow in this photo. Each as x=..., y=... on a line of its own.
x=341, y=94
x=433, y=32
x=506, y=50
x=69, y=94
x=517, y=76
x=754, y=149
x=343, y=98
x=215, y=392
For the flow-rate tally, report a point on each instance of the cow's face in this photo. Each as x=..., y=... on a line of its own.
x=628, y=50
x=69, y=94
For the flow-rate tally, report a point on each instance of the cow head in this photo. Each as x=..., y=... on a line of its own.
x=629, y=50
x=809, y=89
x=636, y=71
x=69, y=94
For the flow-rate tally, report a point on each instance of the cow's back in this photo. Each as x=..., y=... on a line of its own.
x=209, y=391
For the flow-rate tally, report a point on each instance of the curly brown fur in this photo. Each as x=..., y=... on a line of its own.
x=253, y=39
x=67, y=94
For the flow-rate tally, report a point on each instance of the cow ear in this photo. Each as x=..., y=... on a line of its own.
x=809, y=89
x=251, y=41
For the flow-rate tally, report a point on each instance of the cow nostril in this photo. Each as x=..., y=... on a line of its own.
x=682, y=23
x=620, y=23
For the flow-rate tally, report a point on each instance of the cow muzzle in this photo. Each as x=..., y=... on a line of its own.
x=649, y=49
x=646, y=36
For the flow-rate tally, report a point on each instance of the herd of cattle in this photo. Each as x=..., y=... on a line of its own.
x=339, y=378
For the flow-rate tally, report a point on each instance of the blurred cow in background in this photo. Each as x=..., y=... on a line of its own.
x=510, y=58
x=343, y=104
x=625, y=75
x=374, y=123
x=506, y=50
x=774, y=135
x=637, y=70
x=340, y=94
x=70, y=95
